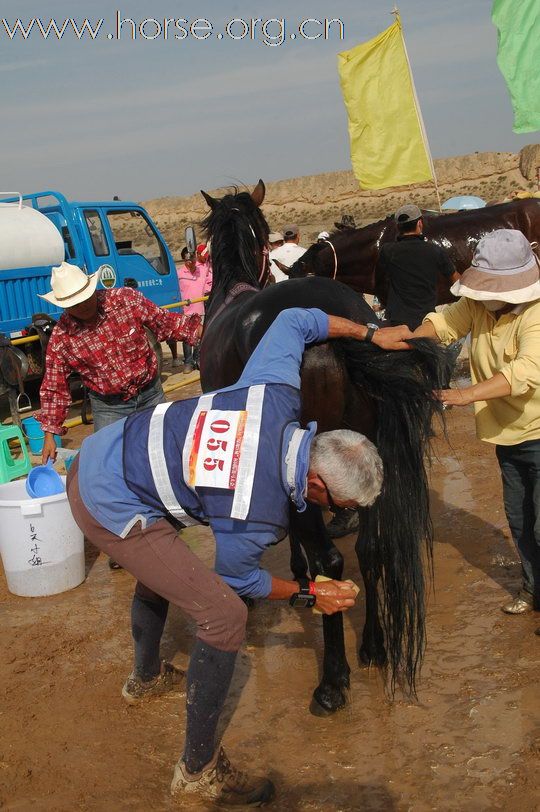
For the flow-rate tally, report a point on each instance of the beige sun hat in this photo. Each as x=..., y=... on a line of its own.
x=504, y=268
x=70, y=286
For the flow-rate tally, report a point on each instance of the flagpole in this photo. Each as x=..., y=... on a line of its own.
x=395, y=12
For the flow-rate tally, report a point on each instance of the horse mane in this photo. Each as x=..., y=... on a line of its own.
x=401, y=384
x=234, y=223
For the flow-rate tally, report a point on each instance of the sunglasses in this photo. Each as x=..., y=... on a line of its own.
x=331, y=504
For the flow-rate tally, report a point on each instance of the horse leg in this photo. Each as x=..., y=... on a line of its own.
x=308, y=530
x=372, y=650
x=299, y=564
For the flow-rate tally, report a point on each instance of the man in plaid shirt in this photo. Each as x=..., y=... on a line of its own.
x=101, y=335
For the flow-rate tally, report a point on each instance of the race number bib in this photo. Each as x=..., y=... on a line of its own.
x=216, y=449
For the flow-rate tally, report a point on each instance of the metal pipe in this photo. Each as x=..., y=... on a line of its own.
x=183, y=303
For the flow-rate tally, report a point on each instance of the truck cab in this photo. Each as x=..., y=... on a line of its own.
x=116, y=238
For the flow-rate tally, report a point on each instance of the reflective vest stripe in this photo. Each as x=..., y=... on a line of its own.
x=248, y=458
x=158, y=466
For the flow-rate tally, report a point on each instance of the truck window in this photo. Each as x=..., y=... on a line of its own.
x=97, y=235
x=133, y=234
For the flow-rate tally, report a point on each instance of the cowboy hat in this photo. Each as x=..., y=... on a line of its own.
x=504, y=268
x=70, y=286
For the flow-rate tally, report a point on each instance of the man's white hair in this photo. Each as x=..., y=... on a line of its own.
x=349, y=464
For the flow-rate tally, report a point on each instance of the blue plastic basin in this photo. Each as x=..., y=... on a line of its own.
x=44, y=481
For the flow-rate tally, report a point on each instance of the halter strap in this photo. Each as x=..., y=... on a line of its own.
x=335, y=257
x=236, y=290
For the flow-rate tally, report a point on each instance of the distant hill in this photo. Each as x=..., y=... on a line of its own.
x=314, y=202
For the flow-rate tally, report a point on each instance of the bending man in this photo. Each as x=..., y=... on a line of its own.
x=236, y=458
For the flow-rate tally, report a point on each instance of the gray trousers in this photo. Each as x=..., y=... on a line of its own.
x=167, y=570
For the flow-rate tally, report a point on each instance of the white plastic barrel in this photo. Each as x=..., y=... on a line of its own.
x=29, y=239
x=41, y=546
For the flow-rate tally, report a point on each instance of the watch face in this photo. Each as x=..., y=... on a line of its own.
x=302, y=601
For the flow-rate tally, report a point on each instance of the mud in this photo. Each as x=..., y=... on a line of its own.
x=470, y=742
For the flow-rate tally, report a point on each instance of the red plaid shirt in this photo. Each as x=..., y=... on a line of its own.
x=112, y=356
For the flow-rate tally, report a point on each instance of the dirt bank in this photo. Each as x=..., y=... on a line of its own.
x=471, y=742
x=315, y=202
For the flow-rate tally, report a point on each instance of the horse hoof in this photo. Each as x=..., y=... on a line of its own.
x=326, y=701
x=376, y=657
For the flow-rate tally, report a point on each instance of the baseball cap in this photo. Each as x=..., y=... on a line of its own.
x=202, y=250
x=407, y=214
x=290, y=231
x=275, y=236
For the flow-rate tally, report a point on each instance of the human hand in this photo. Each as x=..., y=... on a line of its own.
x=49, y=448
x=455, y=397
x=334, y=596
x=392, y=338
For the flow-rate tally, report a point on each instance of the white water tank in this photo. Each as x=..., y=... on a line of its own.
x=27, y=238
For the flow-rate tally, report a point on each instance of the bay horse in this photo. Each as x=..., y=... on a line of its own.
x=345, y=384
x=352, y=256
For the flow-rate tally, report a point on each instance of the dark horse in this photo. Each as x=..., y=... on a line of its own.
x=346, y=384
x=352, y=256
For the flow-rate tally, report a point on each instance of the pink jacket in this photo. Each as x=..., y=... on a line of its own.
x=194, y=285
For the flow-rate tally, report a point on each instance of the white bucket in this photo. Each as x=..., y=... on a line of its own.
x=41, y=546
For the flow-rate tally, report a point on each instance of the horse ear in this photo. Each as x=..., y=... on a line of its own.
x=212, y=202
x=258, y=193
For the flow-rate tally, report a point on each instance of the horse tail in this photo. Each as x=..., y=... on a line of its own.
x=399, y=523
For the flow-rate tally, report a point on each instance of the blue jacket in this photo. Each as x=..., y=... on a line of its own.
x=240, y=543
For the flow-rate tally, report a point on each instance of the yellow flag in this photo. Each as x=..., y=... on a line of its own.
x=388, y=146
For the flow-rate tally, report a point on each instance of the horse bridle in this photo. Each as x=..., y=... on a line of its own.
x=265, y=267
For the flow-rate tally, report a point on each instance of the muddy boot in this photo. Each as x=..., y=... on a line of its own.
x=345, y=521
x=221, y=783
x=170, y=679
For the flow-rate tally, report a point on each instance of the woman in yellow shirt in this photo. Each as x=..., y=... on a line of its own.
x=500, y=308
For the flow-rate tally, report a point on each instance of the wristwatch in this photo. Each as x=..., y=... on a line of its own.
x=305, y=597
x=370, y=331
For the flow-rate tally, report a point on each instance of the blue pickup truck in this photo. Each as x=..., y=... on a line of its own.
x=39, y=230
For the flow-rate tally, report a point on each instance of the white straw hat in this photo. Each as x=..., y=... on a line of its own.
x=70, y=286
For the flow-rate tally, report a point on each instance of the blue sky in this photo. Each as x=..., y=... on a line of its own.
x=147, y=118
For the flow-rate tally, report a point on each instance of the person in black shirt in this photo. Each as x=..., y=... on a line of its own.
x=407, y=271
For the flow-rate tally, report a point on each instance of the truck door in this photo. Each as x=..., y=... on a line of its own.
x=142, y=259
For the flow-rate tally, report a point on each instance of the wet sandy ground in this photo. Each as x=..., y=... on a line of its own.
x=470, y=742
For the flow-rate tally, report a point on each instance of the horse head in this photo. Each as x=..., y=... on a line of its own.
x=306, y=265
x=238, y=234
x=349, y=255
